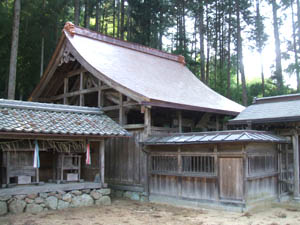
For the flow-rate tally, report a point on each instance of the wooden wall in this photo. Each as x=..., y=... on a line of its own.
x=125, y=162
x=89, y=172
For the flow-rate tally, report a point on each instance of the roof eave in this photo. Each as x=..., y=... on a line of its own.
x=264, y=120
x=172, y=105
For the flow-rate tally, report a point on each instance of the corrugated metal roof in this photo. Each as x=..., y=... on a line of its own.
x=148, y=73
x=32, y=117
x=270, y=110
x=216, y=137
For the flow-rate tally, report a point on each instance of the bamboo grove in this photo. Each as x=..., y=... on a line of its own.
x=211, y=35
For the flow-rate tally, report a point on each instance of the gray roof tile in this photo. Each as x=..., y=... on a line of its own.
x=32, y=117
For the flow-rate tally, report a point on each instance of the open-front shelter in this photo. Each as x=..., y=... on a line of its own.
x=41, y=143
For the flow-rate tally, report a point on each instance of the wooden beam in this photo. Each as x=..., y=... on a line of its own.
x=81, y=96
x=121, y=110
x=117, y=107
x=296, y=163
x=75, y=72
x=217, y=123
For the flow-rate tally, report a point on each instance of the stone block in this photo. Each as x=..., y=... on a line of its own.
x=20, y=197
x=44, y=195
x=62, y=204
x=39, y=200
x=76, y=192
x=5, y=198
x=29, y=201
x=51, y=202
x=95, y=195
x=83, y=200
x=3, y=208
x=132, y=195
x=104, y=191
x=17, y=206
x=67, y=197
x=32, y=196
x=34, y=208
x=104, y=200
x=86, y=191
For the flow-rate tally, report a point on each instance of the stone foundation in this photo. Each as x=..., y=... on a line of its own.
x=34, y=203
x=133, y=195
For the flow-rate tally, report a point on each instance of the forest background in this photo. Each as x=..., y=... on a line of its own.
x=212, y=35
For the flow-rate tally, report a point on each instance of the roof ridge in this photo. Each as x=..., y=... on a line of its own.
x=48, y=106
x=73, y=29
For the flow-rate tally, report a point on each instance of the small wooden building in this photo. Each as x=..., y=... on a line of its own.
x=226, y=168
x=145, y=90
x=41, y=143
x=279, y=114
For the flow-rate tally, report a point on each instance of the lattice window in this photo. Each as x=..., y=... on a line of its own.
x=262, y=164
x=164, y=163
x=198, y=164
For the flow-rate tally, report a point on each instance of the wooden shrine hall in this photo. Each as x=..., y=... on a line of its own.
x=46, y=143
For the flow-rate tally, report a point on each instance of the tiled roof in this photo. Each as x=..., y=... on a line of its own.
x=271, y=109
x=32, y=117
x=216, y=137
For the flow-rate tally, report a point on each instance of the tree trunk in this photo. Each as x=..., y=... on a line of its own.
x=208, y=36
x=14, y=51
x=278, y=72
x=76, y=12
x=122, y=19
x=201, y=30
x=259, y=43
x=229, y=56
x=114, y=17
x=98, y=6
x=295, y=46
x=240, y=55
x=86, y=14
x=118, y=18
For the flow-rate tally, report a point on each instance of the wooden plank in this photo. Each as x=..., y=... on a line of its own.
x=75, y=72
x=121, y=110
x=100, y=95
x=231, y=178
x=7, y=167
x=179, y=113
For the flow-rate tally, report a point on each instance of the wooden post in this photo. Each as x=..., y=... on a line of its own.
x=217, y=172
x=100, y=95
x=245, y=163
x=179, y=179
x=296, y=163
x=217, y=123
x=62, y=168
x=66, y=85
x=147, y=121
x=279, y=178
x=121, y=110
x=7, y=166
x=81, y=96
x=37, y=175
x=179, y=121
x=102, y=152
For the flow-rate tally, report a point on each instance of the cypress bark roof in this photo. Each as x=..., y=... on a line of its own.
x=151, y=76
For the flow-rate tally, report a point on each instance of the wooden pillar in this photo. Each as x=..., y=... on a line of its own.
x=100, y=95
x=179, y=181
x=147, y=121
x=217, y=122
x=217, y=196
x=102, y=165
x=66, y=87
x=121, y=110
x=81, y=96
x=7, y=166
x=245, y=173
x=179, y=113
x=296, y=163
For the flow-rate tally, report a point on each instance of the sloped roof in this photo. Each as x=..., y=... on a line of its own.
x=271, y=109
x=41, y=118
x=152, y=76
x=216, y=137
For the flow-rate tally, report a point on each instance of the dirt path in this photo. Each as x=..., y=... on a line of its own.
x=130, y=212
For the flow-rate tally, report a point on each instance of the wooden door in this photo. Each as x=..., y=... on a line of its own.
x=231, y=178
